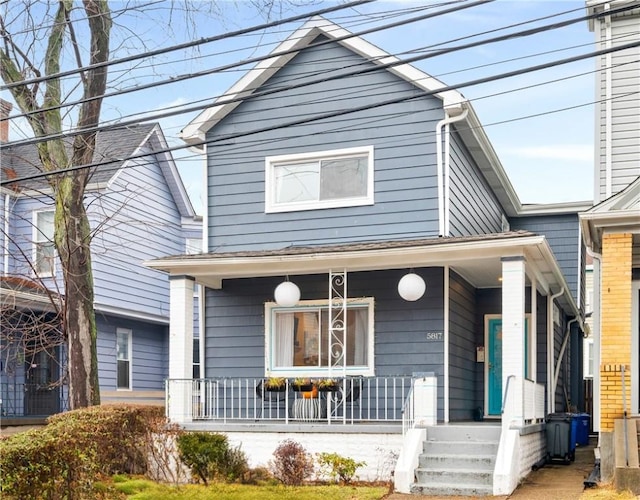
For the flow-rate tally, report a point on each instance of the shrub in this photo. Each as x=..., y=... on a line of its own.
x=291, y=464
x=209, y=456
x=64, y=459
x=337, y=467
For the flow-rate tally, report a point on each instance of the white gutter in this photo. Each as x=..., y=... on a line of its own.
x=561, y=355
x=442, y=166
x=447, y=170
x=551, y=396
x=608, y=103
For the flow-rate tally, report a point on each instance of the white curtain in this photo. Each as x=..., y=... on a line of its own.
x=361, y=341
x=284, y=339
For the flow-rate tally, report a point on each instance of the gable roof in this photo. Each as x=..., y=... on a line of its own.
x=454, y=103
x=620, y=211
x=114, y=147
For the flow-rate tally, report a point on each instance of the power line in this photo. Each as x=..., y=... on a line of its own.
x=333, y=114
x=186, y=44
x=252, y=60
x=359, y=72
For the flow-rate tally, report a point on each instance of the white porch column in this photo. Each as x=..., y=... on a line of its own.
x=181, y=316
x=513, y=352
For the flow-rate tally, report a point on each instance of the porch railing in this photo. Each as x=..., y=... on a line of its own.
x=25, y=400
x=357, y=399
x=534, y=401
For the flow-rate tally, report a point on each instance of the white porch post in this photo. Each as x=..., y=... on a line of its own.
x=181, y=316
x=513, y=324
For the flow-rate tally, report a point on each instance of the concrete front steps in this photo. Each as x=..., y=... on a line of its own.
x=458, y=460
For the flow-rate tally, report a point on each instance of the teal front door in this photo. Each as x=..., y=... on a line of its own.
x=494, y=366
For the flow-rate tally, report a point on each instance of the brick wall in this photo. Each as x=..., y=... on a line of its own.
x=615, y=327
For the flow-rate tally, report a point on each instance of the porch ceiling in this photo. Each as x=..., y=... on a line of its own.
x=477, y=259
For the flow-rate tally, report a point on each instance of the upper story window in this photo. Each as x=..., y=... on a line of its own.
x=44, y=249
x=298, y=340
x=327, y=179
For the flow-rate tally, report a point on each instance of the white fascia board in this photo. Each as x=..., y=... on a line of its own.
x=195, y=131
x=126, y=313
x=572, y=207
x=15, y=298
x=490, y=165
x=170, y=171
x=356, y=260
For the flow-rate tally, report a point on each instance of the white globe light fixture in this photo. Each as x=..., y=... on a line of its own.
x=411, y=287
x=287, y=294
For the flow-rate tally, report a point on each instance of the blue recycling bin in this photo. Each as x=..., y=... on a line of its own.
x=582, y=428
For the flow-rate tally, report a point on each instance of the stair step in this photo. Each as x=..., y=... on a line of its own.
x=460, y=447
x=464, y=433
x=452, y=461
x=453, y=489
x=454, y=476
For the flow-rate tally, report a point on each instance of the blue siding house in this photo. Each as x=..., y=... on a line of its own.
x=361, y=228
x=138, y=210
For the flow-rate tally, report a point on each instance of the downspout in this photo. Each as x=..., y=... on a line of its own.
x=597, y=257
x=567, y=334
x=447, y=169
x=551, y=349
x=442, y=166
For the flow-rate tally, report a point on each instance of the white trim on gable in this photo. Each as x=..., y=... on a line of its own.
x=196, y=130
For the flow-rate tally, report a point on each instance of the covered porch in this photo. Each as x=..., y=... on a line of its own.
x=480, y=343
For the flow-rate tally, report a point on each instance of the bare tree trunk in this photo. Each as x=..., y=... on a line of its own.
x=72, y=242
x=72, y=232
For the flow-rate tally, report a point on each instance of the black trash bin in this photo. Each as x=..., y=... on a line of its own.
x=561, y=437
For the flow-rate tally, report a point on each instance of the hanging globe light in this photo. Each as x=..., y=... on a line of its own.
x=287, y=294
x=411, y=287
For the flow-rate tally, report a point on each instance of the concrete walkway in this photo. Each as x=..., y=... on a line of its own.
x=554, y=481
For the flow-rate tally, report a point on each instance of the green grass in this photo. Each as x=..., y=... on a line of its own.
x=142, y=489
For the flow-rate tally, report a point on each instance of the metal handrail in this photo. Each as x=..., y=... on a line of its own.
x=408, y=421
x=506, y=392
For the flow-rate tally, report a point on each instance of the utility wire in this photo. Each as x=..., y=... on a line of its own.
x=252, y=60
x=378, y=67
x=338, y=113
x=186, y=45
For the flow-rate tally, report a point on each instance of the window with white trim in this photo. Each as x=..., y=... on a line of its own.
x=44, y=249
x=297, y=340
x=123, y=358
x=328, y=179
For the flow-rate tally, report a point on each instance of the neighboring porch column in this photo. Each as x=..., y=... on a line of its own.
x=513, y=324
x=181, y=314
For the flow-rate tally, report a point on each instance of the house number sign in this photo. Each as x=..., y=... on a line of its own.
x=434, y=335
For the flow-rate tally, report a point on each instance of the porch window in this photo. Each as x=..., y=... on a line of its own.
x=329, y=179
x=298, y=340
x=44, y=250
x=123, y=355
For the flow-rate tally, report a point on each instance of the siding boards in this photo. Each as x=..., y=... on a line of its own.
x=464, y=336
x=474, y=208
x=625, y=105
x=150, y=346
x=562, y=233
x=235, y=331
x=404, y=152
x=138, y=220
